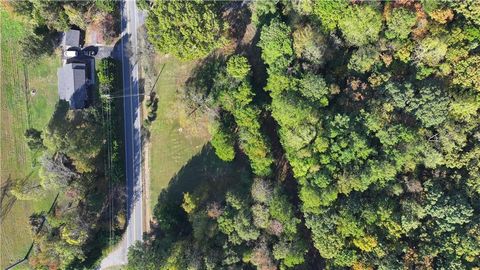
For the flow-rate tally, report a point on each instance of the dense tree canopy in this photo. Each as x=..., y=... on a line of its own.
x=361, y=129
x=360, y=24
x=186, y=29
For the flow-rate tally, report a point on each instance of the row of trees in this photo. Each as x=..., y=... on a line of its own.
x=233, y=92
x=61, y=15
x=371, y=121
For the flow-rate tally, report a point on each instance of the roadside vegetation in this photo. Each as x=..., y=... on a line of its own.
x=352, y=128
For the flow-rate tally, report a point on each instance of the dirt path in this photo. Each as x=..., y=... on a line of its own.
x=146, y=180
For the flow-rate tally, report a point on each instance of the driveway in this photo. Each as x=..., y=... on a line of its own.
x=104, y=51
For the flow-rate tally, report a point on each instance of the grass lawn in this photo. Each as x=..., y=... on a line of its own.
x=19, y=111
x=175, y=138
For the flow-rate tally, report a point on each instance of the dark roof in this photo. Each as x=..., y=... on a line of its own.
x=72, y=84
x=71, y=38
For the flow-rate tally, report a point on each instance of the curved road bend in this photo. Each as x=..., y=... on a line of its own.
x=132, y=124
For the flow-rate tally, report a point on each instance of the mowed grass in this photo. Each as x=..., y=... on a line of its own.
x=21, y=110
x=175, y=136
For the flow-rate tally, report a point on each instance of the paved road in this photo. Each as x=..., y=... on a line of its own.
x=132, y=122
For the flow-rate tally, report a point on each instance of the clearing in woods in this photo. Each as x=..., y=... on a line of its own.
x=21, y=110
x=175, y=135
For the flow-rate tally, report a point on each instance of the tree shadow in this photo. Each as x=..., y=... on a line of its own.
x=59, y=116
x=238, y=17
x=202, y=77
x=6, y=200
x=130, y=104
x=205, y=176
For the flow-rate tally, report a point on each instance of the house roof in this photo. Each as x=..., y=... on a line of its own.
x=72, y=84
x=71, y=38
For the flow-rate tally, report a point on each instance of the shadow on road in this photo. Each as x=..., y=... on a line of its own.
x=130, y=102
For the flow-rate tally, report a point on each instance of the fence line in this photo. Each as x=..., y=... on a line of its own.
x=33, y=242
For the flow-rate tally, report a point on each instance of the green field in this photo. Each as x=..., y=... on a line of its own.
x=21, y=110
x=175, y=138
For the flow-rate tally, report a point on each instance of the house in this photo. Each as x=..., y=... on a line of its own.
x=71, y=38
x=77, y=74
x=72, y=84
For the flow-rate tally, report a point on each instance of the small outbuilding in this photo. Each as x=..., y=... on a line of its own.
x=72, y=84
x=71, y=38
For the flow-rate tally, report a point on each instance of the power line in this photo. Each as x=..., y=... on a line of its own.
x=106, y=111
x=121, y=96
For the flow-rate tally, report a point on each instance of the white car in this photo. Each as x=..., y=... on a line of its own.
x=70, y=54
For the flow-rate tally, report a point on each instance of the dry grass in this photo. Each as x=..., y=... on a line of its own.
x=19, y=111
x=176, y=136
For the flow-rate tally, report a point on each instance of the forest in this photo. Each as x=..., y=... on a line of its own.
x=356, y=125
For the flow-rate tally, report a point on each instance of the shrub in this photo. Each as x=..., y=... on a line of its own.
x=238, y=67
x=223, y=143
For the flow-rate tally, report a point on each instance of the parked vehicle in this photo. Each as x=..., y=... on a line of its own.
x=89, y=52
x=70, y=54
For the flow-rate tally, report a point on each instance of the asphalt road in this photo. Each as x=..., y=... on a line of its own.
x=132, y=124
x=133, y=148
